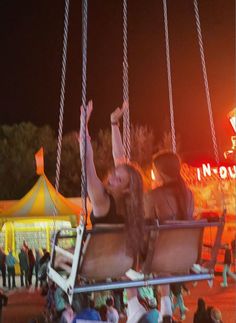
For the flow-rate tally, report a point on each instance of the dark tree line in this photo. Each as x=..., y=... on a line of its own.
x=19, y=143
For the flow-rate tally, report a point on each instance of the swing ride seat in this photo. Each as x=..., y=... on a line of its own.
x=104, y=254
x=173, y=249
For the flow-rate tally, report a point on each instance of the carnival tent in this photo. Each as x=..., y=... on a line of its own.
x=37, y=215
x=42, y=201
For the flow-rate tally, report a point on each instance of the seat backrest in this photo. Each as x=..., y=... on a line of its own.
x=173, y=248
x=104, y=253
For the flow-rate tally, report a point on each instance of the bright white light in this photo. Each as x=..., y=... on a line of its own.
x=153, y=175
x=232, y=118
x=233, y=122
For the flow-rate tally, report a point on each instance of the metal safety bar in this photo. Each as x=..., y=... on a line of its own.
x=141, y=283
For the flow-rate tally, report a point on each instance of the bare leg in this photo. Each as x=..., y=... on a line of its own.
x=135, y=309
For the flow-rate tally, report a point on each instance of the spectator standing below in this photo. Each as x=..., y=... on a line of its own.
x=31, y=265
x=3, y=266
x=36, y=266
x=42, y=270
x=11, y=261
x=88, y=313
x=3, y=302
x=24, y=266
x=233, y=248
x=200, y=316
x=227, y=264
x=112, y=314
x=176, y=289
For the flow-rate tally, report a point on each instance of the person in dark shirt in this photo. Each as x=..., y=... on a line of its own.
x=24, y=266
x=227, y=264
x=200, y=316
x=171, y=199
x=31, y=265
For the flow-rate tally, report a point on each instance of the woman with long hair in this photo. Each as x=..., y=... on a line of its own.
x=120, y=198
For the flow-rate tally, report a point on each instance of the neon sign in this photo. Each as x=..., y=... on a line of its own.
x=223, y=172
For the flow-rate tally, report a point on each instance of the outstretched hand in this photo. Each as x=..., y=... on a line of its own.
x=118, y=113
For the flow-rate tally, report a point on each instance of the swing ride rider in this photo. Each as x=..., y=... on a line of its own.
x=119, y=199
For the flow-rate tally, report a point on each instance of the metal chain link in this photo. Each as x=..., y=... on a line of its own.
x=62, y=94
x=126, y=116
x=172, y=120
x=84, y=114
x=207, y=92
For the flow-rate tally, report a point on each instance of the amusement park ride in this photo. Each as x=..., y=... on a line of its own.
x=96, y=259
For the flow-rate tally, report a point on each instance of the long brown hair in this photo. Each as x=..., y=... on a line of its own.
x=133, y=208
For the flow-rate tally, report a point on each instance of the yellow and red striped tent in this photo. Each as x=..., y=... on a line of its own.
x=41, y=202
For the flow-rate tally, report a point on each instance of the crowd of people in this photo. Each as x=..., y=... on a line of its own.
x=147, y=305
x=30, y=262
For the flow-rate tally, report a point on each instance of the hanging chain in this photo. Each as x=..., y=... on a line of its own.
x=126, y=116
x=207, y=92
x=62, y=94
x=172, y=120
x=84, y=114
x=204, y=71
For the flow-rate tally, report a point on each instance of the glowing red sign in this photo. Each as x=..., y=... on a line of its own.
x=223, y=172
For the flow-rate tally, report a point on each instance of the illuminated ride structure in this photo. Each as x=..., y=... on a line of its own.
x=231, y=153
x=97, y=258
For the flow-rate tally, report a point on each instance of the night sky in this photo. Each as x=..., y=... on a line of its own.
x=31, y=47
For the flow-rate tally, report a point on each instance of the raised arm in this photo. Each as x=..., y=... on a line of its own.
x=99, y=198
x=117, y=145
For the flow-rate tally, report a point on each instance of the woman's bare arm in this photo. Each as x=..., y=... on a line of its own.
x=117, y=145
x=99, y=198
